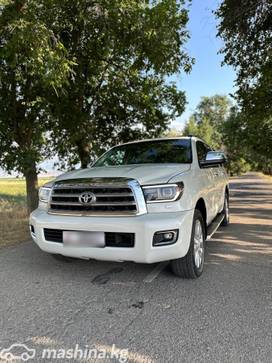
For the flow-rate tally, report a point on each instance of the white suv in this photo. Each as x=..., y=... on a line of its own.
x=146, y=201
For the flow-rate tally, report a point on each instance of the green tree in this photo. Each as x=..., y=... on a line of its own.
x=205, y=131
x=208, y=119
x=214, y=108
x=246, y=29
x=124, y=51
x=222, y=126
x=235, y=143
x=32, y=61
x=191, y=127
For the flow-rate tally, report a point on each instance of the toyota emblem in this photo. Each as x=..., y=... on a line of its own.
x=87, y=198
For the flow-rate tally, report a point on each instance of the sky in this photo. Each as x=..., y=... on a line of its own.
x=207, y=77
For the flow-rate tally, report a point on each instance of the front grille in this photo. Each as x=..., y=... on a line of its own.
x=107, y=197
x=112, y=239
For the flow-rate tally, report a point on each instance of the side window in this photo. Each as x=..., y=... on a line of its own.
x=201, y=150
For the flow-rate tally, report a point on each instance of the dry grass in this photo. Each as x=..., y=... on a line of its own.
x=13, y=223
x=13, y=212
x=265, y=176
x=269, y=177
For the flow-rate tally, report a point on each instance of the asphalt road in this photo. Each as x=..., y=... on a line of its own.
x=224, y=316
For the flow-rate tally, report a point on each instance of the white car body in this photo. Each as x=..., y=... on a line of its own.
x=206, y=186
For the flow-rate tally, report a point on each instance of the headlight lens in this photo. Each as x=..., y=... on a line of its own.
x=44, y=194
x=163, y=193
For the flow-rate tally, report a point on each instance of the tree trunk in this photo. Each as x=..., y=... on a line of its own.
x=84, y=154
x=31, y=188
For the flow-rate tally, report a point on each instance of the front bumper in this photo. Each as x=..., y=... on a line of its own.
x=143, y=226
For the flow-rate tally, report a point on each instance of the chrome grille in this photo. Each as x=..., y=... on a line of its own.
x=110, y=196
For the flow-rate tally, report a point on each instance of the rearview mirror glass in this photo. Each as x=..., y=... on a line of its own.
x=214, y=158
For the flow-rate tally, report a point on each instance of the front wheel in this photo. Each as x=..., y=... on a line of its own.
x=191, y=265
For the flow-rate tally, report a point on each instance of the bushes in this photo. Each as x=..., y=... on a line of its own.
x=237, y=166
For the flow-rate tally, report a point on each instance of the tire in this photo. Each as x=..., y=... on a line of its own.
x=62, y=258
x=191, y=265
x=225, y=211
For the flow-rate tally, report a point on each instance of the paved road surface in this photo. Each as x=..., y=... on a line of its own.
x=225, y=316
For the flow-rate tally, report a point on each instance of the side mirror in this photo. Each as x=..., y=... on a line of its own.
x=213, y=158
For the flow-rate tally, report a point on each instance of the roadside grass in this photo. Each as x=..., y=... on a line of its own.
x=13, y=211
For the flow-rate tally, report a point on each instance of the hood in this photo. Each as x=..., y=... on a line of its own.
x=144, y=174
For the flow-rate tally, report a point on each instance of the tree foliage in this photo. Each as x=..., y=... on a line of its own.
x=208, y=119
x=123, y=51
x=246, y=29
x=221, y=126
x=236, y=144
x=32, y=61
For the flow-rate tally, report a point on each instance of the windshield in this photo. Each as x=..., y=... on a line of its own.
x=149, y=152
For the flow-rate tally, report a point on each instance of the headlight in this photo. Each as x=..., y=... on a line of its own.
x=163, y=193
x=44, y=194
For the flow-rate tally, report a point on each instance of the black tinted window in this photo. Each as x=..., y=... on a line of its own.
x=154, y=152
x=202, y=150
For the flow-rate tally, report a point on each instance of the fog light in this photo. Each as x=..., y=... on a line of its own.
x=162, y=238
x=168, y=236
